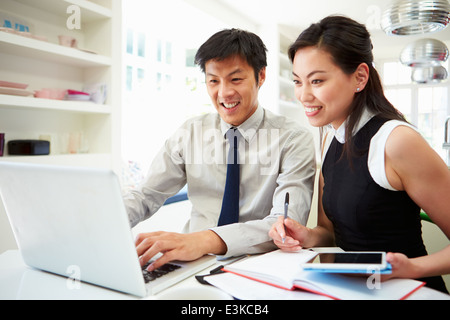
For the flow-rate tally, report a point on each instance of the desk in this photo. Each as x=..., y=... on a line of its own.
x=18, y=281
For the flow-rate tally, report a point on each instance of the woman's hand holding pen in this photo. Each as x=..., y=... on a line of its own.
x=293, y=233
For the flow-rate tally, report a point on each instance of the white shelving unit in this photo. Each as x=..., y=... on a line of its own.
x=278, y=91
x=285, y=78
x=47, y=64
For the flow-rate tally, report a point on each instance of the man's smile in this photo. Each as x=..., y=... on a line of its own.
x=231, y=105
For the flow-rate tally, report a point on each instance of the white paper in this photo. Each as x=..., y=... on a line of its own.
x=245, y=289
x=278, y=267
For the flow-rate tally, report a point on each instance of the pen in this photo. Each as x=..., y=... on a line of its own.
x=286, y=206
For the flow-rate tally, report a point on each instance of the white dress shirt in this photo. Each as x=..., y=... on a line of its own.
x=276, y=156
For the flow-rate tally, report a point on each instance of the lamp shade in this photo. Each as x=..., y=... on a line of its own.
x=429, y=74
x=409, y=17
x=424, y=52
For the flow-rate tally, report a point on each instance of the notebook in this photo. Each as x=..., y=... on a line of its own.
x=283, y=270
x=69, y=218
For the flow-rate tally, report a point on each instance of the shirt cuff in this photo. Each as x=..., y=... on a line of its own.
x=245, y=238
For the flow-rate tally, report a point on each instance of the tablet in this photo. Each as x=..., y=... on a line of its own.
x=365, y=262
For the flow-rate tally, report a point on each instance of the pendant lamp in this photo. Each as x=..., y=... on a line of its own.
x=410, y=17
x=433, y=74
x=424, y=53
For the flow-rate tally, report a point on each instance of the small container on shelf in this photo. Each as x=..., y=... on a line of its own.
x=2, y=143
x=74, y=95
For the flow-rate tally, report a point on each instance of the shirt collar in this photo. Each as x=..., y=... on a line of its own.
x=365, y=117
x=249, y=127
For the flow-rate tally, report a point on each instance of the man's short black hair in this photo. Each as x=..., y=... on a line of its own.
x=230, y=42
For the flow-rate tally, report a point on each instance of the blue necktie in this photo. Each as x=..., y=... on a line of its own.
x=230, y=202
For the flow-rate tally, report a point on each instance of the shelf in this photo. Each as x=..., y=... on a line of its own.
x=36, y=49
x=44, y=64
x=89, y=11
x=284, y=59
x=289, y=104
x=99, y=160
x=7, y=101
x=286, y=82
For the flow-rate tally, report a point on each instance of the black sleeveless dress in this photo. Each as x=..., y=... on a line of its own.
x=365, y=216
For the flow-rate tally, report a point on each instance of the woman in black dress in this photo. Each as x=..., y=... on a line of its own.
x=377, y=171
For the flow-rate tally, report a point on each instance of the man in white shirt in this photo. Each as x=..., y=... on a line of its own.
x=276, y=156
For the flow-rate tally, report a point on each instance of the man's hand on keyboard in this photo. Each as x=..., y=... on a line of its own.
x=176, y=246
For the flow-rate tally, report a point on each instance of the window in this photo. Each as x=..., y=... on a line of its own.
x=141, y=76
x=159, y=51
x=190, y=57
x=163, y=85
x=141, y=45
x=432, y=112
x=402, y=100
x=164, y=67
x=426, y=106
x=396, y=73
x=129, y=79
x=168, y=53
x=130, y=41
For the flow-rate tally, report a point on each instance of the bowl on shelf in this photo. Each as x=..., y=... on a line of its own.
x=15, y=85
x=54, y=94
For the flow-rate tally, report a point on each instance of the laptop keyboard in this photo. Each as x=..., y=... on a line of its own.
x=161, y=271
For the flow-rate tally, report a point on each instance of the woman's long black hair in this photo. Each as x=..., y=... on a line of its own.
x=349, y=44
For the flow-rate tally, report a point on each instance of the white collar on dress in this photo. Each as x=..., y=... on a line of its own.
x=340, y=132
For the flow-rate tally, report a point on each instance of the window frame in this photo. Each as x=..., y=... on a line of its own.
x=415, y=108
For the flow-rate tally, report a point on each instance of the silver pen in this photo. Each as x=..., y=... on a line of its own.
x=286, y=207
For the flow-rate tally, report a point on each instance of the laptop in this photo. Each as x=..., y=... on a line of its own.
x=72, y=222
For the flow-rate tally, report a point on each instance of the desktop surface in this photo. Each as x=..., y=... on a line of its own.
x=20, y=282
